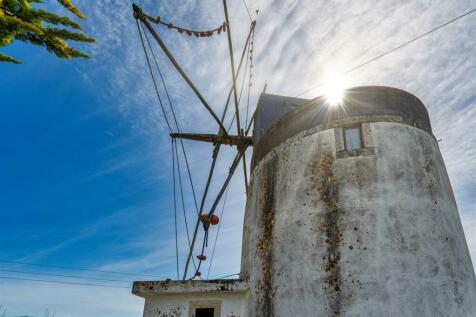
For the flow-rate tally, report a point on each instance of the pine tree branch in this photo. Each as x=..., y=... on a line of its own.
x=73, y=52
x=10, y=26
x=19, y=21
x=61, y=49
x=71, y=7
x=30, y=38
x=50, y=17
x=53, y=44
x=6, y=58
x=68, y=35
x=28, y=13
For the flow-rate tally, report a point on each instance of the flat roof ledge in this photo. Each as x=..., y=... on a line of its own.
x=148, y=288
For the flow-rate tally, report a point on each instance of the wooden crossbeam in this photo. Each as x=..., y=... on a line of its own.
x=238, y=140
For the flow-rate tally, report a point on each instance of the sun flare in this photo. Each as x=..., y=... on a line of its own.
x=334, y=91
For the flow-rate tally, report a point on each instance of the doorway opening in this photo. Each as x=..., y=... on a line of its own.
x=205, y=312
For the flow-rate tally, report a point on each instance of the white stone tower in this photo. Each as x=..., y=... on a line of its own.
x=350, y=212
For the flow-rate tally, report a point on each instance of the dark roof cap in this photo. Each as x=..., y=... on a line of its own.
x=278, y=118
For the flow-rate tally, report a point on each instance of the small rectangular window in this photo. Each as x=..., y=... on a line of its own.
x=352, y=138
x=205, y=312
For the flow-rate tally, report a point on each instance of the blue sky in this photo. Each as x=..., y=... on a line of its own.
x=85, y=162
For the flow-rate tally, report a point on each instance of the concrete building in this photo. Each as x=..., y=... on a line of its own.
x=350, y=212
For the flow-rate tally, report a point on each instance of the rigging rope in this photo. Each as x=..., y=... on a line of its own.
x=244, y=77
x=214, y=157
x=250, y=83
x=250, y=56
x=183, y=200
x=181, y=193
x=153, y=77
x=247, y=10
x=218, y=232
x=233, y=73
x=229, y=275
x=139, y=14
x=189, y=32
x=141, y=30
x=174, y=117
x=144, y=18
x=205, y=238
x=235, y=163
x=175, y=211
x=239, y=131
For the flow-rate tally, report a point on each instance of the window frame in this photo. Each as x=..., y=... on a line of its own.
x=361, y=137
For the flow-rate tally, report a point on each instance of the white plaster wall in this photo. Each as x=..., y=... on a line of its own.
x=177, y=305
x=372, y=235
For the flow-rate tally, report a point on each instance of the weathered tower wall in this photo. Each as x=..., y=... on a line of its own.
x=373, y=231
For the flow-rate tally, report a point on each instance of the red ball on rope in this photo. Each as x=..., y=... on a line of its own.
x=214, y=220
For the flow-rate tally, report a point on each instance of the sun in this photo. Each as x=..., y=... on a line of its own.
x=335, y=90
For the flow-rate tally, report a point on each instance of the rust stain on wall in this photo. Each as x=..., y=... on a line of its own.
x=329, y=194
x=265, y=289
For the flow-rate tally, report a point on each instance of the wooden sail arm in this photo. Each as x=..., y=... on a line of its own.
x=238, y=140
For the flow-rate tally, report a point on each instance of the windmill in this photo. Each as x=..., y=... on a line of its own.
x=350, y=211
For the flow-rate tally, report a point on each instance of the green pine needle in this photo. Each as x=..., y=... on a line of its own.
x=19, y=21
x=70, y=6
x=6, y=58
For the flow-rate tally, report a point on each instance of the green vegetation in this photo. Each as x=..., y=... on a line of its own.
x=20, y=21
